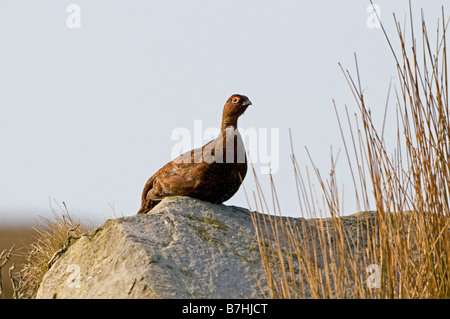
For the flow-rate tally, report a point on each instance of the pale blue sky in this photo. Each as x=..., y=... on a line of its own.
x=86, y=115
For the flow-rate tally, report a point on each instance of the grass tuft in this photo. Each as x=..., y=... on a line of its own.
x=52, y=237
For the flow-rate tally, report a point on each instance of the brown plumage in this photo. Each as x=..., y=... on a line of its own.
x=213, y=172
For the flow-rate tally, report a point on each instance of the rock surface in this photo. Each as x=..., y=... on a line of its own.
x=184, y=248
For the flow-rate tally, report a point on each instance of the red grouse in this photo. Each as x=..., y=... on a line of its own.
x=213, y=172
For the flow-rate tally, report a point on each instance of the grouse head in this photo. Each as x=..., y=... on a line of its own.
x=235, y=107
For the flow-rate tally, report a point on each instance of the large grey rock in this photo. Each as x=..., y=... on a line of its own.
x=184, y=248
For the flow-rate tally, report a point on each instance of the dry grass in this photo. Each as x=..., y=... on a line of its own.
x=52, y=237
x=408, y=244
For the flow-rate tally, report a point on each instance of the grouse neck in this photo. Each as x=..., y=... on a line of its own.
x=229, y=119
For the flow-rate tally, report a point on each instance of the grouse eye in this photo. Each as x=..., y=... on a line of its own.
x=235, y=100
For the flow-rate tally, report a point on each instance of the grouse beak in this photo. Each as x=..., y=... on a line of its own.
x=247, y=103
